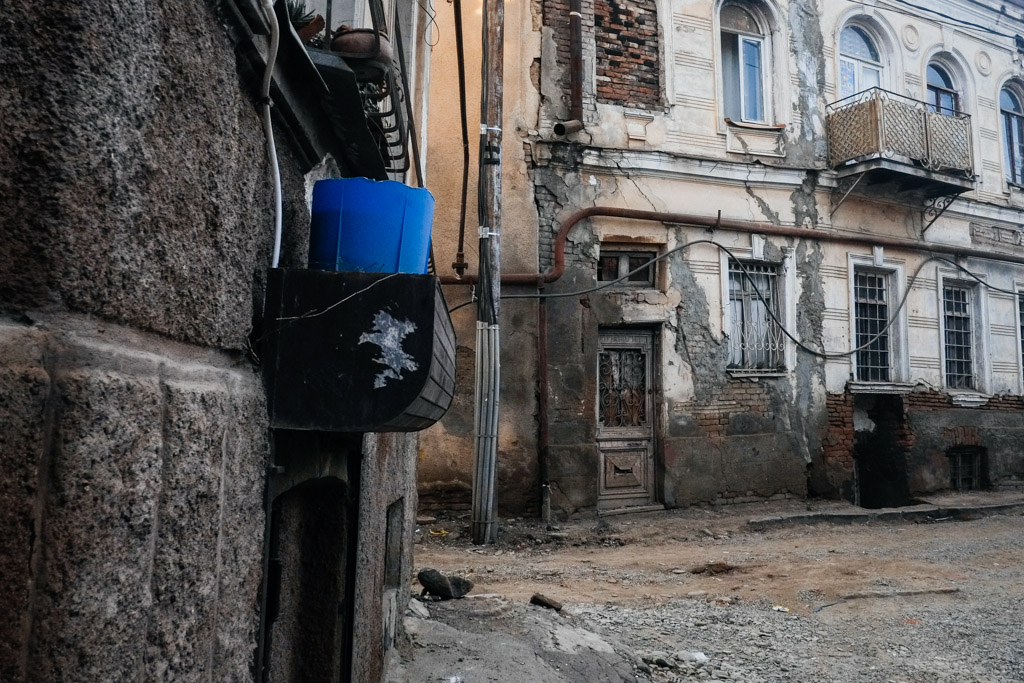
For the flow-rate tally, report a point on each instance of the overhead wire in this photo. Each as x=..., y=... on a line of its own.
x=960, y=22
x=768, y=308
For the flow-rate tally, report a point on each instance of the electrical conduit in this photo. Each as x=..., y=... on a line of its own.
x=268, y=128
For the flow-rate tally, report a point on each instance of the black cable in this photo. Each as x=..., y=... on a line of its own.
x=961, y=22
x=760, y=296
x=461, y=61
x=462, y=305
x=431, y=14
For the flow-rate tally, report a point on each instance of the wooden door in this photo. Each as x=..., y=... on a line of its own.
x=625, y=418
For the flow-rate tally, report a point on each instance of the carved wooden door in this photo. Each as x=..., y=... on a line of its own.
x=625, y=420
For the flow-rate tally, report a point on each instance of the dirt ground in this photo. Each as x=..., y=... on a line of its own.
x=910, y=599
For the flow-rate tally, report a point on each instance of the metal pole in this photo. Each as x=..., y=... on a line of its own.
x=488, y=348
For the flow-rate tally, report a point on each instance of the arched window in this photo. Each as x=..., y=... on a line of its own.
x=942, y=95
x=744, y=64
x=860, y=66
x=1013, y=135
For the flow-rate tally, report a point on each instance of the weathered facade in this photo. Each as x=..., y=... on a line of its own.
x=154, y=527
x=833, y=193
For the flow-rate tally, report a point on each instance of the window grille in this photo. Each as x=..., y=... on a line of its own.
x=965, y=468
x=612, y=265
x=755, y=340
x=956, y=302
x=623, y=387
x=871, y=314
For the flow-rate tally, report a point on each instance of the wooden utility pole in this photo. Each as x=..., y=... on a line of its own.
x=488, y=348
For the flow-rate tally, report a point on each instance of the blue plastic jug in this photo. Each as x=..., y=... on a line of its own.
x=370, y=226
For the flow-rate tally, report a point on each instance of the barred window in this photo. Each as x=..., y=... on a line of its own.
x=959, y=336
x=871, y=315
x=756, y=340
x=966, y=468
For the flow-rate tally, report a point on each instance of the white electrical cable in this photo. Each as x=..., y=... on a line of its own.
x=268, y=129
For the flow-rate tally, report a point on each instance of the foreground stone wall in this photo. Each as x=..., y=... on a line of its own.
x=133, y=243
x=131, y=505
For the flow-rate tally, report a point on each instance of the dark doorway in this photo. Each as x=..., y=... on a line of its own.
x=878, y=451
x=309, y=605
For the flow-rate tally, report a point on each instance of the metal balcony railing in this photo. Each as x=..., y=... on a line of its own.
x=375, y=52
x=879, y=123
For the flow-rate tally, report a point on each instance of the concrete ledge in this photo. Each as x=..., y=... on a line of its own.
x=915, y=513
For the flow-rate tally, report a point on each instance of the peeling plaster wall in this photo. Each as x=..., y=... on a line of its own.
x=718, y=438
x=446, y=454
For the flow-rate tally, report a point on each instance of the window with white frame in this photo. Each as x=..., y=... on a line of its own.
x=1013, y=135
x=860, y=65
x=958, y=319
x=756, y=341
x=745, y=64
x=871, y=313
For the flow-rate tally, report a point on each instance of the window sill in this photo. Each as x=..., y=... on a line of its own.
x=745, y=373
x=968, y=399
x=754, y=139
x=879, y=387
x=777, y=127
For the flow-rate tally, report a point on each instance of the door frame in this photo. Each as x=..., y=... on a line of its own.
x=608, y=501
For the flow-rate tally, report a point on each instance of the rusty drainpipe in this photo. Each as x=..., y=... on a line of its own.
x=575, y=122
x=556, y=271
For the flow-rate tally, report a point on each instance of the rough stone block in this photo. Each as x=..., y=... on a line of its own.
x=241, y=532
x=184, y=583
x=24, y=389
x=93, y=594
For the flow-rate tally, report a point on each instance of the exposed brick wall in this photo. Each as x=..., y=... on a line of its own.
x=962, y=436
x=739, y=396
x=626, y=35
x=555, y=16
x=837, y=446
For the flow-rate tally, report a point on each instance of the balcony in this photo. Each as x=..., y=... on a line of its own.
x=901, y=145
x=356, y=352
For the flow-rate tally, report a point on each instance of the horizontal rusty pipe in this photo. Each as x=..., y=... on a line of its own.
x=558, y=269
